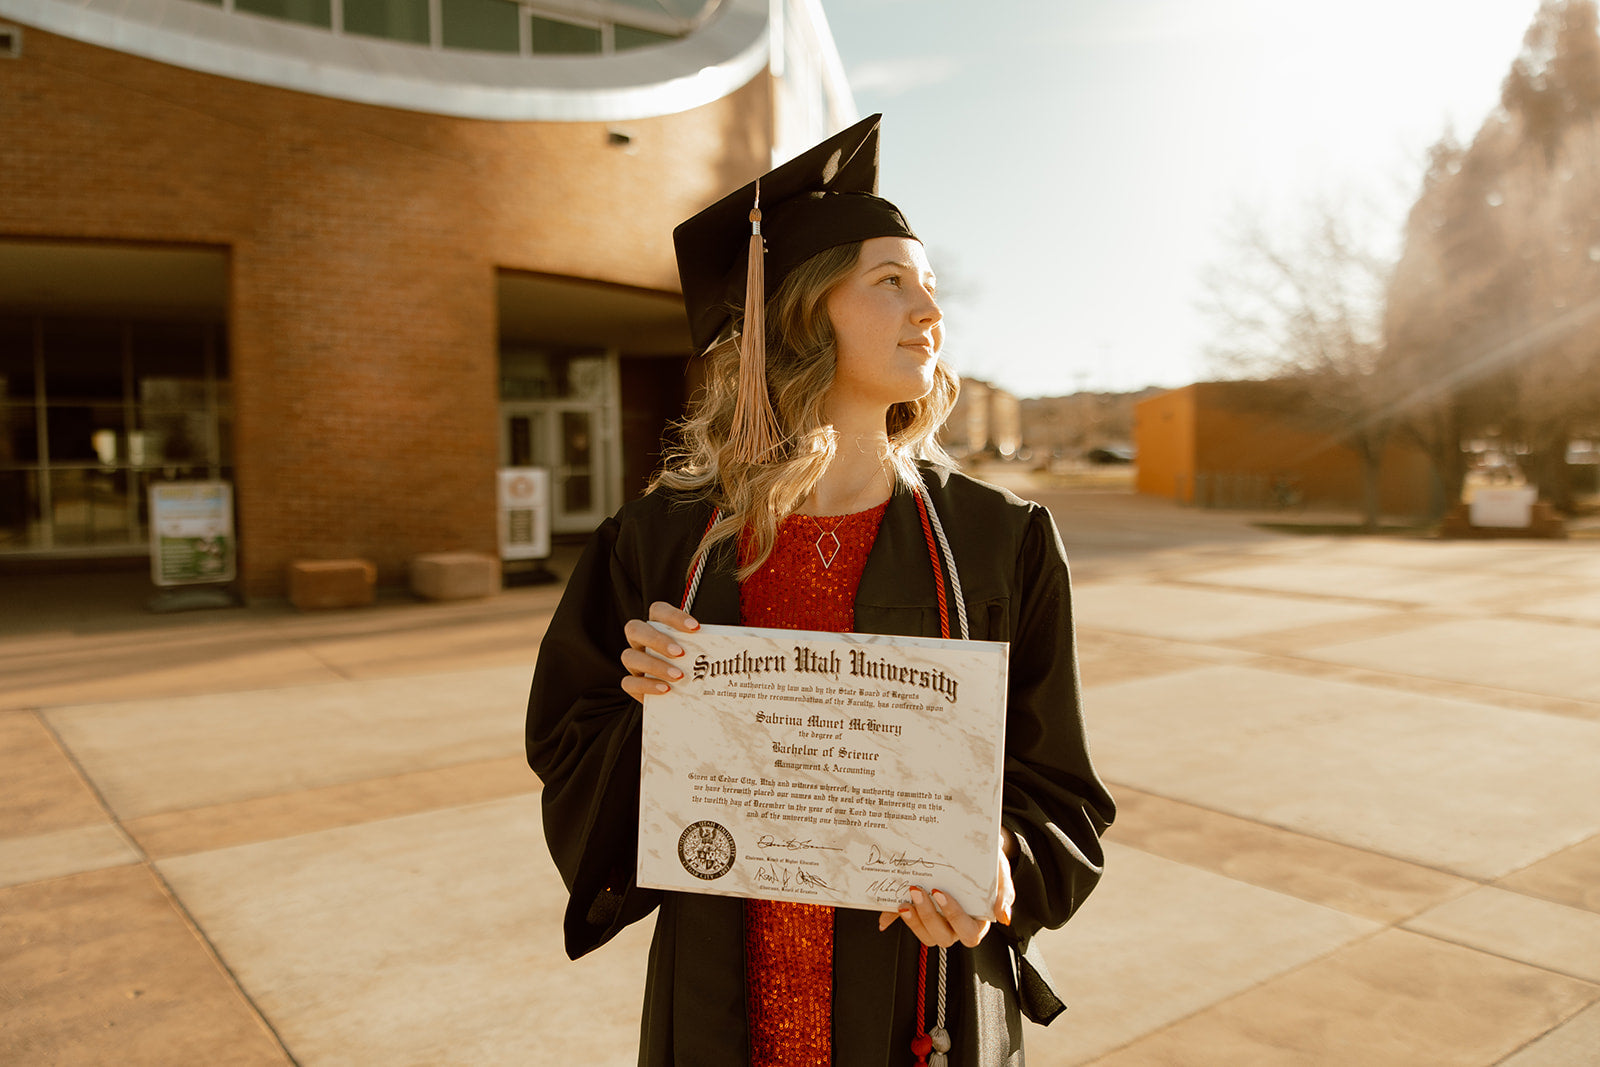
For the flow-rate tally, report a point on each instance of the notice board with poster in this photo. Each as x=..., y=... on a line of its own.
x=524, y=513
x=191, y=533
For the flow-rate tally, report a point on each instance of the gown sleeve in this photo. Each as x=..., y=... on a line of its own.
x=1053, y=801
x=583, y=740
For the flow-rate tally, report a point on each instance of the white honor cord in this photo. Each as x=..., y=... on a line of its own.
x=961, y=625
x=699, y=569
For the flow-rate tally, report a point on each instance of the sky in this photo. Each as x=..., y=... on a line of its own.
x=1073, y=165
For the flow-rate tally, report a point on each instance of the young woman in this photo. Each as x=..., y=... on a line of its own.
x=807, y=494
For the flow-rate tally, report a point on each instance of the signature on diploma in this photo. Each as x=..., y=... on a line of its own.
x=893, y=888
x=768, y=841
x=780, y=876
x=899, y=861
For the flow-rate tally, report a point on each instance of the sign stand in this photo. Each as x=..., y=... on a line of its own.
x=193, y=552
x=524, y=522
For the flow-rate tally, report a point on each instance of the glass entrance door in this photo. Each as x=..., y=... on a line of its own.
x=558, y=410
x=568, y=441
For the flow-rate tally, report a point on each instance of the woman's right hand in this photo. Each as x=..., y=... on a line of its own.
x=650, y=651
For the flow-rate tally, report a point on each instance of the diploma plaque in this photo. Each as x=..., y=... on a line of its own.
x=823, y=768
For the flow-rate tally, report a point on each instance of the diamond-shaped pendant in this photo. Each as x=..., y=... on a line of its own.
x=827, y=555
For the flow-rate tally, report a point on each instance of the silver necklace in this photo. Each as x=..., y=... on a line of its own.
x=826, y=555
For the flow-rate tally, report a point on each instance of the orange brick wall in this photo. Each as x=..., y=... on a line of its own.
x=1163, y=436
x=1220, y=431
x=363, y=248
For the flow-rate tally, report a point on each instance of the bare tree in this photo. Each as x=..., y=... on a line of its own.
x=1304, y=307
x=1487, y=322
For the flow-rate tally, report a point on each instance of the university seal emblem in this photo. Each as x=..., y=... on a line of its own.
x=706, y=850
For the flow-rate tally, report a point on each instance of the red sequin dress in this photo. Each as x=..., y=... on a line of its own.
x=789, y=947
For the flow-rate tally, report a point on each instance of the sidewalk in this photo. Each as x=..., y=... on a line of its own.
x=1359, y=819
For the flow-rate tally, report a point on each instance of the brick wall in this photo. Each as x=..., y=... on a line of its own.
x=1163, y=436
x=1223, y=443
x=363, y=247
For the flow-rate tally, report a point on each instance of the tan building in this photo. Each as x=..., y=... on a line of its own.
x=1068, y=427
x=986, y=421
x=353, y=256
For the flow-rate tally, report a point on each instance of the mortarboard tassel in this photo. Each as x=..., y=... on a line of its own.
x=755, y=434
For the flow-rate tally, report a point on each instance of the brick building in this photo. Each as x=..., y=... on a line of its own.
x=356, y=255
x=1238, y=444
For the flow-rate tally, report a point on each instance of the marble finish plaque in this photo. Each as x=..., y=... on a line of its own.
x=825, y=768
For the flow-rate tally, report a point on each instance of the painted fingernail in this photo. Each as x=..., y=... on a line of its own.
x=916, y=894
x=692, y=624
x=675, y=672
x=940, y=898
x=674, y=650
x=663, y=687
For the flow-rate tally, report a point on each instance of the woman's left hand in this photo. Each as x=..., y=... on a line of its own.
x=938, y=919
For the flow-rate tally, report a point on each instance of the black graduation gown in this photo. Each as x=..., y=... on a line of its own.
x=583, y=738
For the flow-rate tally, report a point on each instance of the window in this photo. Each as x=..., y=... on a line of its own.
x=92, y=411
x=310, y=12
x=552, y=37
x=627, y=37
x=397, y=20
x=481, y=25
x=683, y=9
x=493, y=25
x=537, y=374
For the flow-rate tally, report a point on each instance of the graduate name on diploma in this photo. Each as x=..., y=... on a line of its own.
x=825, y=768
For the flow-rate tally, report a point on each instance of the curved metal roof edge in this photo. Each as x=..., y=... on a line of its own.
x=721, y=56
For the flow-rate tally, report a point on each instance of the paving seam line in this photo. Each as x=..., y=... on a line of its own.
x=1536, y=1038
x=1114, y=786
x=1295, y=594
x=1450, y=689
x=1442, y=939
x=171, y=895
x=1266, y=980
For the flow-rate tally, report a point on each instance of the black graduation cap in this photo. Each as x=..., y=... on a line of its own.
x=824, y=197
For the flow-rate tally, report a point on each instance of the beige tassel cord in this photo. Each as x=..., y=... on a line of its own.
x=755, y=435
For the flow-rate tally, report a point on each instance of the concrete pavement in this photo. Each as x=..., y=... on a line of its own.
x=1360, y=818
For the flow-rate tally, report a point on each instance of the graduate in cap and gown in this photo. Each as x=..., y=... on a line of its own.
x=809, y=492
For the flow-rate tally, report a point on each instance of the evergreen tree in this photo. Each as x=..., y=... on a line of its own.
x=1492, y=313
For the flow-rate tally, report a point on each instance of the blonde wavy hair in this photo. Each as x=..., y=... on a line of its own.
x=800, y=369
